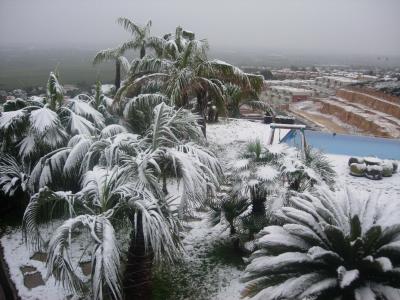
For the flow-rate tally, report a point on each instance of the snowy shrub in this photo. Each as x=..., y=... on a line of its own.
x=13, y=176
x=331, y=246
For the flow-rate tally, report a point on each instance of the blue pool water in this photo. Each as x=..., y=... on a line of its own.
x=347, y=144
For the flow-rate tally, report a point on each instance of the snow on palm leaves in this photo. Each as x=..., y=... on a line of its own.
x=119, y=175
x=38, y=127
x=331, y=246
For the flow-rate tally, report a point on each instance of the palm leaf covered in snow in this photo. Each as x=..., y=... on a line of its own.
x=118, y=174
x=331, y=246
x=38, y=128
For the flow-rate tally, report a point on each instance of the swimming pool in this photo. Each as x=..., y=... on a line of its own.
x=347, y=144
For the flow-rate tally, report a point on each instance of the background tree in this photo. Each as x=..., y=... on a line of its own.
x=116, y=55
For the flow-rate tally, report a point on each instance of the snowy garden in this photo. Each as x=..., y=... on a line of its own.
x=149, y=190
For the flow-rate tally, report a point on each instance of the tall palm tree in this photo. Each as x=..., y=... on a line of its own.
x=185, y=72
x=140, y=35
x=331, y=246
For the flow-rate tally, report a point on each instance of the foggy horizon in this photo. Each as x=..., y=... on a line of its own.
x=357, y=27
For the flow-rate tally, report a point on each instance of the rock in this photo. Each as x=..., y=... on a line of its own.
x=372, y=161
x=356, y=160
x=387, y=167
x=374, y=172
x=358, y=169
x=18, y=93
x=32, y=280
x=27, y=269
x=39, y=256
x=86, y=268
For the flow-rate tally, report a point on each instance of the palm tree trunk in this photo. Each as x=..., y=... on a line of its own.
x=117, y=74
x=142, y=51
x=138, y=279
x=202, y=110
x=164, y=184
x=258, y=198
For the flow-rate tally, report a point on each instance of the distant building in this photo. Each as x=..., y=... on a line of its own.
x=335, y=82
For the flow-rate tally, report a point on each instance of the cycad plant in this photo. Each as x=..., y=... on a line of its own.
x=330, y=246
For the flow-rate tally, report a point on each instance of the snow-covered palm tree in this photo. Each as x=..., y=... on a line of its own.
x=255, y=178
x=331, y=246
x=47, y=125
x=120, y=176
x=106, y=196
x=236, y=98
x=140, y=36
x=185, y=75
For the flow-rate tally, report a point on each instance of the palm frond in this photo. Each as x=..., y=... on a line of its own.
x=124, y=63
x=107, y=54
x=170, y=127
x=138, y=112
x=131, y=27
x=85, y=110
x=43, y=119
x=41, y=208
x=160, y=231
x=112, y=130
x=75, y=157
x=48, y=169
x=105, y=261
x=76, y=124
x=13, y=123
x=12, y=175
x=225, y=72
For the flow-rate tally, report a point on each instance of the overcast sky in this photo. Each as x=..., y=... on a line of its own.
x=314, y=26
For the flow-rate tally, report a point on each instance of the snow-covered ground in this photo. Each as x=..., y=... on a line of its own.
x=212, y=279
x=231, y=137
